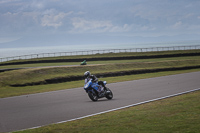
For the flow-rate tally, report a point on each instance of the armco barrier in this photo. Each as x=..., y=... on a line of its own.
x=91, y=52
x=97, y=59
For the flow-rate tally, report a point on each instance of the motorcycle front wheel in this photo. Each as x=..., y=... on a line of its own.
x=109, y=94
x=92, y=96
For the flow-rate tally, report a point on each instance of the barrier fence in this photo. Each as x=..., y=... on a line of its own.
x=91, y=52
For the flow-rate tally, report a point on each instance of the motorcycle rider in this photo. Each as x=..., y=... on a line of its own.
x=88, y=76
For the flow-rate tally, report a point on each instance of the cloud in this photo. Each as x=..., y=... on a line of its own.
x=122, y=28
x=52, y=19
x=83, y=25
x=22, y=21
x=8, y=39
x=177, y=25
x=8, y=1
x=105, y=17
x=37, y=5
x=18, y=21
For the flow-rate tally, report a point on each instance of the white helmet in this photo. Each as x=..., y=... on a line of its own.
x=87, y=74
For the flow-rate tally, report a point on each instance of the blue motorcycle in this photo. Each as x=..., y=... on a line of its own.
x=96, y=91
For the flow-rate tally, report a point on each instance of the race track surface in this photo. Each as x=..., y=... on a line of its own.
x=27, y=111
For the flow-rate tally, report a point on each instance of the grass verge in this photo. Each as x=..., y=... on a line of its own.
x=41, y=74
x=176, y=114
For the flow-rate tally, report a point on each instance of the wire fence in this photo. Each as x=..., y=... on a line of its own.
x=92, y=52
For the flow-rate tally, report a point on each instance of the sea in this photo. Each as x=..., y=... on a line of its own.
x=12, y=52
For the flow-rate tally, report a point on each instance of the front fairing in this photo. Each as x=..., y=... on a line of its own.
x=90, y=84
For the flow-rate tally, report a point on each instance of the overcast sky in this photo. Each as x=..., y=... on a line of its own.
x=63, y=22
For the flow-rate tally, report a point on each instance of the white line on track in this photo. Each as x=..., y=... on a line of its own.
x=173, y=95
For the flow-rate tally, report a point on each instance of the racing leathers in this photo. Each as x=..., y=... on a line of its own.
x=95, y=79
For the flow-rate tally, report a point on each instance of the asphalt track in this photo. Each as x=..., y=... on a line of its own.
x=27, y=111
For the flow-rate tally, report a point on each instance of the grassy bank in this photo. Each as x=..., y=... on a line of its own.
x=41, y=74
x=176, y=114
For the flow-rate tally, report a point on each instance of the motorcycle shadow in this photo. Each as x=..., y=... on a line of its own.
x=102, y=100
